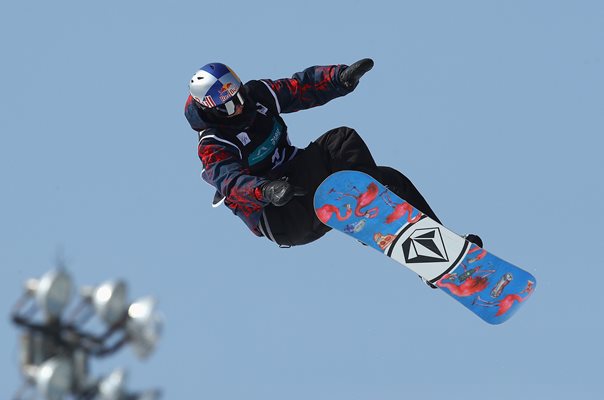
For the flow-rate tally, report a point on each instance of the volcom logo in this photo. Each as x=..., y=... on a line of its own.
x=425, y=246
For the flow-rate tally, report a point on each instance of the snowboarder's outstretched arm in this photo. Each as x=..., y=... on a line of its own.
x=317, y=85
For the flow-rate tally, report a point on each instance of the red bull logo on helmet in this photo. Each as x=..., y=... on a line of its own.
x=223, y=90
x=227, y=91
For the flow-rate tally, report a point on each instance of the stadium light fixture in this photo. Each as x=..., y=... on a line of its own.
x=112, y=387
x=54, y=378
x=110, y=301
x=52, y=292
x=144, y=326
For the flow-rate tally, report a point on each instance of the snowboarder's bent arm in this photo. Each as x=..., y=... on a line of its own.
x=224, y=171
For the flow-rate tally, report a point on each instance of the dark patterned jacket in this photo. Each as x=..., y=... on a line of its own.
x=236, y=160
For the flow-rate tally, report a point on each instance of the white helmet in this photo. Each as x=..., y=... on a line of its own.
x=216, y=87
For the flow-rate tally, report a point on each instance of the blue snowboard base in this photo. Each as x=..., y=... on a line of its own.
x=358, y=205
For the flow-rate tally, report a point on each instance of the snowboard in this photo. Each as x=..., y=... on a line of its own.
x=358, y=205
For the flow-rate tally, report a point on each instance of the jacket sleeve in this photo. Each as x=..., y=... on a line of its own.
x=224, y=171
x=312, y=87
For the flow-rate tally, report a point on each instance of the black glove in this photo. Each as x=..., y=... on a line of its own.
x=279, y=193
x=349, y=77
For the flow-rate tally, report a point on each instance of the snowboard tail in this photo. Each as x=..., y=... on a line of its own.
x=360, y=206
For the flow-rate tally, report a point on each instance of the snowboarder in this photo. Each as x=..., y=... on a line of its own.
x=248, y=158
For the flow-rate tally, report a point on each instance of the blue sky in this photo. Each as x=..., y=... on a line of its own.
x=494, y=109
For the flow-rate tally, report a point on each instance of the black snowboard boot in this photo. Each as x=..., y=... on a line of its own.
x=430, y=285
x=472, y=238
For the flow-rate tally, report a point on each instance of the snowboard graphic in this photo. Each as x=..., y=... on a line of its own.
x=358, y=205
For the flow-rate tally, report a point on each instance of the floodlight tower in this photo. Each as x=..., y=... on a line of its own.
x=56, y=349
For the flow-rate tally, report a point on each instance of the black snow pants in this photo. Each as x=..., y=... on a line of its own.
x=338, y=149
